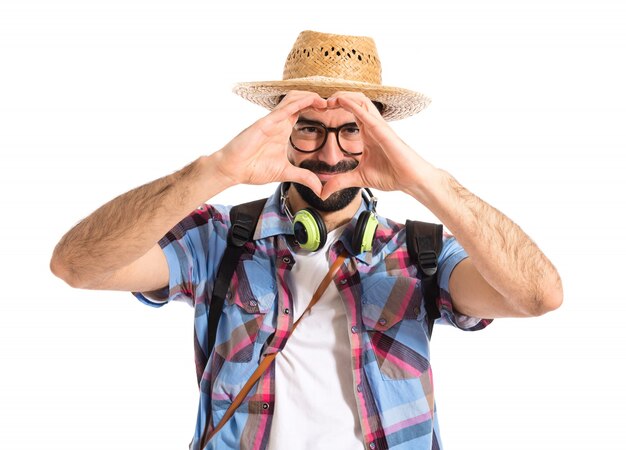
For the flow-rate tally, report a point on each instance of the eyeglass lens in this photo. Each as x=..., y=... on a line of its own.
x=310, y=136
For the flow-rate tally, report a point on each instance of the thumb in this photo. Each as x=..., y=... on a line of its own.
x=305, y=177
x=337, y=183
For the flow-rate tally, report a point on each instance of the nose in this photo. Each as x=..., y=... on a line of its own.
x=330, y=153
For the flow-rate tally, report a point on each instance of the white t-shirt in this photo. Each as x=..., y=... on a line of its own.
x=315, y=405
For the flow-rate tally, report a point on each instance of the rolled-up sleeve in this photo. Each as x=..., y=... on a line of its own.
x=192, y=250
x=451, y=254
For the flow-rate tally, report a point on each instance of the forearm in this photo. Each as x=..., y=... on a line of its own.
x=508, y=260
x=124, y=229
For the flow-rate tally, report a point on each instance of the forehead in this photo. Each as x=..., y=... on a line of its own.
x=329, y=117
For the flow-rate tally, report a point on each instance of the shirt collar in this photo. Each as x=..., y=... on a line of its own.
x=273, y=221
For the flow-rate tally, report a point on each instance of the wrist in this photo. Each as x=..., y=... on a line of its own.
x=428, y=185
x=211, y=170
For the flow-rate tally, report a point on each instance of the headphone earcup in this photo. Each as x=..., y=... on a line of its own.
x=309, y=229
x=363, y=237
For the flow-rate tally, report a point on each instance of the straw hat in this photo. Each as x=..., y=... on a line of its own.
x=326, y=63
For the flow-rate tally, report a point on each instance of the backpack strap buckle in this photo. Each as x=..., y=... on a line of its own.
x=239, y=233
x=427, y=260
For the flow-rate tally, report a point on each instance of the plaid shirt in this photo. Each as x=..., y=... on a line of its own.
x=386, y=318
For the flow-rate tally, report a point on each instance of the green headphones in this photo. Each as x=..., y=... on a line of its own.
x=310, y=231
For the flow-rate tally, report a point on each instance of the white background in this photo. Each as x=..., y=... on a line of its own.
x=100, y=96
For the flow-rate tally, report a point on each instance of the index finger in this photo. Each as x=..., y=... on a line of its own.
x=296, y=101
x=358, y=97
x=362, y=108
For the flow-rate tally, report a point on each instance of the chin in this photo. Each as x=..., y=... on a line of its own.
x=335, y=202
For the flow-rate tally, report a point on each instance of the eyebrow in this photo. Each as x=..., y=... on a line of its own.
x=317, y=122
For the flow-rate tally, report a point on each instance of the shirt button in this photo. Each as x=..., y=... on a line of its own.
x=266, y=405
x=344, y=281
x=286, y=310
x=382, y=321
x=372, y=445
x=359, y=387
x=287, y=260
x=354, y=329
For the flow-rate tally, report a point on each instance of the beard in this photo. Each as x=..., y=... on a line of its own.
x=337, y=200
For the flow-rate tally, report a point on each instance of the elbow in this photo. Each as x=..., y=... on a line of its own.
x=65, y=271
x=553, y=295
x=61, y=270
x=546, y=305
x=549, y=300
x=554, y=300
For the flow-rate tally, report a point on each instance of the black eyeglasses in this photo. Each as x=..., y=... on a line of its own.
x=309, y=136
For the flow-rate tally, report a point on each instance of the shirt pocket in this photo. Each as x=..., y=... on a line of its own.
x=250, y=298
x=394, y=322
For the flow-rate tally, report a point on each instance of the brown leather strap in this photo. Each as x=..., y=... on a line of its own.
x=267, y=360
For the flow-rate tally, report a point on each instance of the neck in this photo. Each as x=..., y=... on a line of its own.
x=332, y=219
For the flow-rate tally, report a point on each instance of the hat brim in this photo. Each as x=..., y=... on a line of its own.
x=398, y=103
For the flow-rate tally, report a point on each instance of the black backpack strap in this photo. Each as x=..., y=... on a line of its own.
x=424, y=242
x=243, y=220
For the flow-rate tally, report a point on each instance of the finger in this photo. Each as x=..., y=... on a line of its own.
x=296, y=101
x=285, y=114
x=332, y=102
x=363, y=109
x=343, y=181
x=305, y=177
x=358, y=97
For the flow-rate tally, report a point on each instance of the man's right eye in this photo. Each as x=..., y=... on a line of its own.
x=309, y=129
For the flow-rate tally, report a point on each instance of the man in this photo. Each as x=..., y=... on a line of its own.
x=355, y=374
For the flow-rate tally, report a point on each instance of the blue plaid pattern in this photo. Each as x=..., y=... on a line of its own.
x=387, y=319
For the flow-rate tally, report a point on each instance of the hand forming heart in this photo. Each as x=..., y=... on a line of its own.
x=259, y=154
x=387, y=162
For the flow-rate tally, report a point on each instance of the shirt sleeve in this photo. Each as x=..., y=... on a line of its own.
x=193, y=249
x=451, y=254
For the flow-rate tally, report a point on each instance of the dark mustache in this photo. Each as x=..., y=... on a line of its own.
x=320, y=166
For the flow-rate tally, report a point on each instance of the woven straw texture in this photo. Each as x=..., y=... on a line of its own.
x=327, y=63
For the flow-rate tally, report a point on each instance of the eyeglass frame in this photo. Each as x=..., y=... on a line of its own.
x=327, y=129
